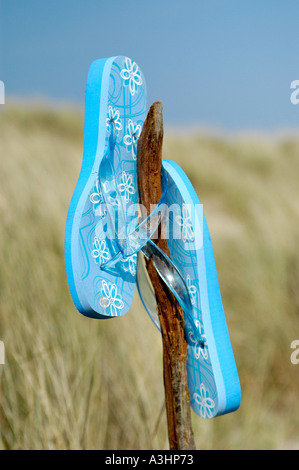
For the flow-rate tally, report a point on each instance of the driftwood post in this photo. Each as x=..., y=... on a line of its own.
x=149, y=156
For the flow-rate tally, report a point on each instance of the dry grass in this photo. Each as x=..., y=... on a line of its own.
x=70, y=382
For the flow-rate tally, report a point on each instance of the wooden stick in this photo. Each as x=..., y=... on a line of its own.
x=149, y=158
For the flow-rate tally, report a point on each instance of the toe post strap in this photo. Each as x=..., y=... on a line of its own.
x=130, y=235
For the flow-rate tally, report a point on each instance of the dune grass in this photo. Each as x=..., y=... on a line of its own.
x=70, y=382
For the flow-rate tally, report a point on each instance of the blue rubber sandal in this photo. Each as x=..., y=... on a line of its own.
x=104, y=236
x=115, y=104
x=212, y=374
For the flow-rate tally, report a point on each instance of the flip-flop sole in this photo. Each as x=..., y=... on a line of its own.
x=115, y=92
x=212, y=373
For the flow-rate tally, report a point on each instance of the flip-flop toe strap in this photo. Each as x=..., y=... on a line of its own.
x=127, y=239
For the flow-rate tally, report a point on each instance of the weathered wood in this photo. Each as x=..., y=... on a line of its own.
x=149, y=157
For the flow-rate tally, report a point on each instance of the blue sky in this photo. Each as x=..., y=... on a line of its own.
x=219, y=64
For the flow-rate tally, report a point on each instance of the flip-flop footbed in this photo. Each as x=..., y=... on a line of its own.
x=115, y=92
x=212, y=374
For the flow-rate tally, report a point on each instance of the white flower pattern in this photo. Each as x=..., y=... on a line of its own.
x=206, y=404
x=113, y=118
x=126, y=187
x=130, y=139
x=100, y=252
x=110, y=299
x=131, y=75
x=185, y=222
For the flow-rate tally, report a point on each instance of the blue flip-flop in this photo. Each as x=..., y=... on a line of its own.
x=104, y=236
x=114, y=115
x=212, y=373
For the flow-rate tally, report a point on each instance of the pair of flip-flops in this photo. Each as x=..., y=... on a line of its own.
x=104, y=236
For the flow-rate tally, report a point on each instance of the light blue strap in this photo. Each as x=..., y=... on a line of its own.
x=124, y=244
x=128, y=242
